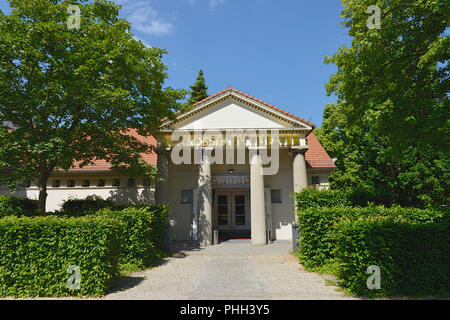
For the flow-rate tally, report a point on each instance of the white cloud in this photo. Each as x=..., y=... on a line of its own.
x=215, y=3
x=212, y=3
x=144, y=18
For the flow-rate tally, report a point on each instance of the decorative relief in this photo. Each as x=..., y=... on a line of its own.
x=233, y=179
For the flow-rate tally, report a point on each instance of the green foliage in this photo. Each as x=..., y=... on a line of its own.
x=389, y=128
x=199, y=90
x=318, y=225
x=312, y=198
x=75, y=95
x=18, y=206
x=413, y=257
x=143, y=235
x=81, y=207
x=36, y=252
x=346, y=240
x=361, y=197
x=355, y=197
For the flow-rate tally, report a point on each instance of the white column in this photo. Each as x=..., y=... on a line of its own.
x=258, y=216
x=204, y=203
x=162, y=187
x=299, y=170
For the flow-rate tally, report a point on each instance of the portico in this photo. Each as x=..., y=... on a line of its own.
x=230, y=164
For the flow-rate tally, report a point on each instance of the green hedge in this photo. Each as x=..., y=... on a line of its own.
x=143, y=235
x=318, y=225
x=87, y=206
x=18, y=206
x=347, y=240
x=313, y=198
x=36, y=252
x=360, y=197
x=413, y=257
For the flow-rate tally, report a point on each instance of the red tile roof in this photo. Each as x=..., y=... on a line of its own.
x=103, y=165
x=316, y=156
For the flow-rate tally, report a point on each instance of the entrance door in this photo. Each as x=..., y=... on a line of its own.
x=232, y=210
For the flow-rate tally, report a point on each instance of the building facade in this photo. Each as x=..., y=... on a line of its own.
x=232, y=163
x=229, y=167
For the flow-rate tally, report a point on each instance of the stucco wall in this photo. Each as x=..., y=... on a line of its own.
x=185, y=177
x=56, y=196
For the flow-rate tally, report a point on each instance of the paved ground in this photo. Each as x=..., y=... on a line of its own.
x=231, y=270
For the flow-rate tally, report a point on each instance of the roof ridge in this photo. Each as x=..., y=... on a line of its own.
x=230, y=88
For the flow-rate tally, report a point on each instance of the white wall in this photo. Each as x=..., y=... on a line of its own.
x=231, y=115
x=56, y=196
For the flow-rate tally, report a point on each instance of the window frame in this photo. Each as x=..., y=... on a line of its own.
x=272, y=197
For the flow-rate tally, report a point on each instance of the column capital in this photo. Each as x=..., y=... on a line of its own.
x=298, y=150
x=162, y=150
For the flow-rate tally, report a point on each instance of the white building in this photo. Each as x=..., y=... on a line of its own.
x=230, y=164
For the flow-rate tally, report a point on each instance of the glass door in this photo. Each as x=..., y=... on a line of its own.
x=232, y=209
x=223, y=209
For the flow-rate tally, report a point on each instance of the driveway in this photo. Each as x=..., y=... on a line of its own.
x=230, y=270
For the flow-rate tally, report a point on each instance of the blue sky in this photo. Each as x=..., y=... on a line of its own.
x=271, y=49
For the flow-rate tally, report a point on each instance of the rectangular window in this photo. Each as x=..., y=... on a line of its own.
x=131, y=182
x=147, y=182
x=222, y=210
x=56, y=183
x=71, y=183
x=101, y=183
x=239, y=208
x=276, y=196
x=315, y=180
x=116, y=183
x=186, y=196
x=86, y=183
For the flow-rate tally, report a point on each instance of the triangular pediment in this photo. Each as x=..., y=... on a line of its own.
x=232, y=109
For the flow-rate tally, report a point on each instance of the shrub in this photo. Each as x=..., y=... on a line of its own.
x=361, y=197
x=18, y=206
x=317, y=227
x=413, y=257
x=357, y=197
x=312, y=198
x=35, y=254
x=82, y=207
x=143, y=234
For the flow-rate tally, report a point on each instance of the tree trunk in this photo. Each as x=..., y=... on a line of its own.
x=43, y=179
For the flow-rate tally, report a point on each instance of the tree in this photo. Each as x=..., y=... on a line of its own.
x=389, y=128
x=199, y=90
x=72, y=95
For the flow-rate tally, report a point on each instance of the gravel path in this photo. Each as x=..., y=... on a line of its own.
x=230, y=270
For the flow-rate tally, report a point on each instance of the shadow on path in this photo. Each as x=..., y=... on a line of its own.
x=179, y=249
x=125, y=283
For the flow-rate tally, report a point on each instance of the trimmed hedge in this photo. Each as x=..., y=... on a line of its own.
x=87, y=206
x=360, y=197
x=36, y=252
x=409, y=245
x=413, y=257
x=143, y=235
x=18, y=206
x=313, y=198
x=318, y=225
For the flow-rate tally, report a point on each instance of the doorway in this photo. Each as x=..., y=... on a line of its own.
x=231, y=207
